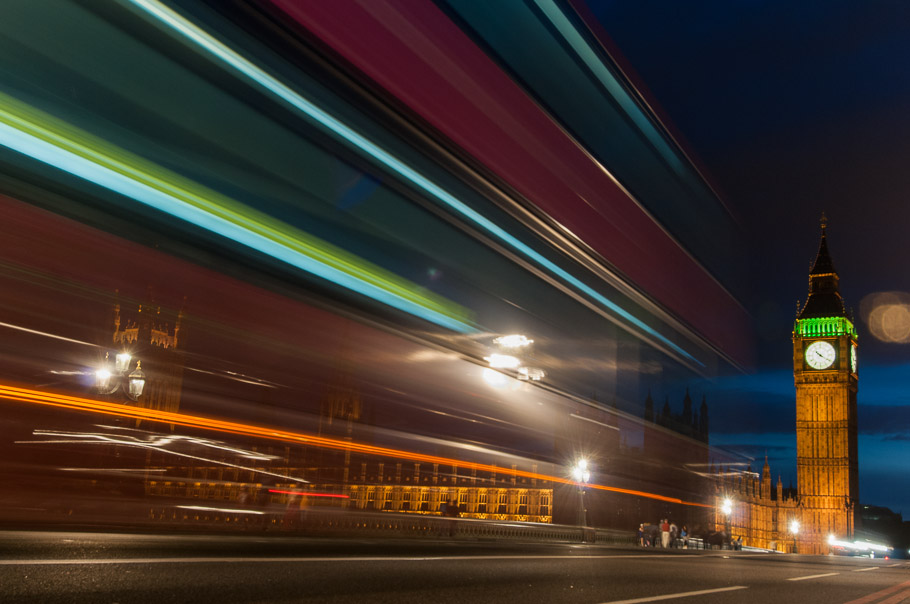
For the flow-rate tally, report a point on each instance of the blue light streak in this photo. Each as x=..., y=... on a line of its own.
x=81, y=167
x=600, y=71
x=245, y=67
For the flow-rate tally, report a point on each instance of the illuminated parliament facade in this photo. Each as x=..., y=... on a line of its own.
x=826, y=500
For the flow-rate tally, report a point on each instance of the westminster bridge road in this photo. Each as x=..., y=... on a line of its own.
x=95, y=567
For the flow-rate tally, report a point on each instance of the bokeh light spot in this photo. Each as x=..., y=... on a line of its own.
x=888, y=316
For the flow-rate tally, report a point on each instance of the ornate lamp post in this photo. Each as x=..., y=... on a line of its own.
x=109, y=380
x=581, y=474
x=794, y=530
x=726, y=509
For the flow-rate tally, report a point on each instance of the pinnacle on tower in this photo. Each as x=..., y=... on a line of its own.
x=824, y=298
x=687, y=411
x=649, y=407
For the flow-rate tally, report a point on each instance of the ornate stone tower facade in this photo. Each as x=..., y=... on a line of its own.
x=824, y=370
x=153, y=339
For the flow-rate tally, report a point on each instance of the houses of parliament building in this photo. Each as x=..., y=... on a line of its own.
x=826, y=500
x=273, y=474
x=760, y=510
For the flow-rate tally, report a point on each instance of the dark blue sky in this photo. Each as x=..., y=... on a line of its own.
x=795, y=108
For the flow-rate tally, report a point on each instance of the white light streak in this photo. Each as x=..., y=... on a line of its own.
x=157, y=445
x=46, y=335
x=227, y=510
x=587, y=419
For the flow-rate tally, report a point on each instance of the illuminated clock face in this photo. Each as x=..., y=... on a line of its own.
x=853, y=359
x=820, y=355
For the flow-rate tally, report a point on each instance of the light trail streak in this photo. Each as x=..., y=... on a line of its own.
x=69, y=438
x=46, y=335
x=600, y=71
x=238, y=377
x=75, y=403
x=47, y=139
x=161, y=440
x=223, y=53
x=203, y=508
x=594, y=421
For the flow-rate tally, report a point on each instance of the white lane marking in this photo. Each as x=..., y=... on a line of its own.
x=685, y=594
x=210, y=560
x=812, y=577
x=893, y=565
x=859, y=570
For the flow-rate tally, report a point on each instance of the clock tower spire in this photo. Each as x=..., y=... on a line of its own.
x=824, y=371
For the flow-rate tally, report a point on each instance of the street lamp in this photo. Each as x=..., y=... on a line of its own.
x=726, y=509
x=581, y=474
x=794, y=530
x=108, y=382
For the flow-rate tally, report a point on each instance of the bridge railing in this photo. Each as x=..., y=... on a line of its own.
x=338, y=522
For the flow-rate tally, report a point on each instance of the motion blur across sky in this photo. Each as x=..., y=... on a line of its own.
x=794, y=109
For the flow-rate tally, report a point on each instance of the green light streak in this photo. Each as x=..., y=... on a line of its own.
x=44, y=137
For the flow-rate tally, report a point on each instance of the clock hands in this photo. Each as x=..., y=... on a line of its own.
x=820, y=355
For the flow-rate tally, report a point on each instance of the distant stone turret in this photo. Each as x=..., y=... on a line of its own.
x=153, y=337
x=689, y=423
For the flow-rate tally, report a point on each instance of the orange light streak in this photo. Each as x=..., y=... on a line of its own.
x=66, y=401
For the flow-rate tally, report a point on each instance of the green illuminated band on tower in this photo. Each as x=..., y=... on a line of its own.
x=824, y=326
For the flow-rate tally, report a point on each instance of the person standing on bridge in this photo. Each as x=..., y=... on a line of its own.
x=664, y=533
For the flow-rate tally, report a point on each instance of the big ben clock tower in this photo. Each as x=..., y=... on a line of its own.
x=824, y=371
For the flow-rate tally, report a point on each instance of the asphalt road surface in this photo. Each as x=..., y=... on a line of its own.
x=50, y=567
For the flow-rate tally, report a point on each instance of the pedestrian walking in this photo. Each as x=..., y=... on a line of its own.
x=641, y=535
x=674, y=534
x=664, y=533
x=684, y=534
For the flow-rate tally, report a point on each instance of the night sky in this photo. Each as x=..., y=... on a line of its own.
x=795, y=108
